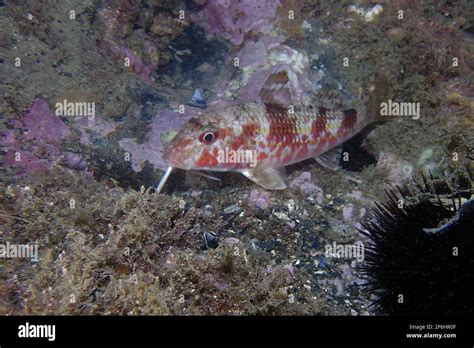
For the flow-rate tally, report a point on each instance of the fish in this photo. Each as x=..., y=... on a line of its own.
x=259, y=139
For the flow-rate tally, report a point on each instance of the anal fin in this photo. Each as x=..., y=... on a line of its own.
x=267, y=177
x=330, y=159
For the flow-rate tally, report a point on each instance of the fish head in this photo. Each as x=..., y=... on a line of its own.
x=200, y=143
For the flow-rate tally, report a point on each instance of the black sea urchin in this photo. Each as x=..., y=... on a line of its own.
x=420, y=258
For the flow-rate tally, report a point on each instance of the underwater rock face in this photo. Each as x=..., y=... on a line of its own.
x=125, y=25
x=43, y=125
x=233, y=20
x=152, y=149
x=399, y=170
x=259, y=64
x=42, y=130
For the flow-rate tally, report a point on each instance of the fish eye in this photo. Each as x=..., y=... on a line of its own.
x=208, y=136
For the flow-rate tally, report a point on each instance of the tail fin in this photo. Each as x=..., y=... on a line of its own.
x=379, y=94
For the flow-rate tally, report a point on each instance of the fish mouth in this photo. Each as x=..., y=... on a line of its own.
x=177, y=164
x=177, y=153
x=174, y=161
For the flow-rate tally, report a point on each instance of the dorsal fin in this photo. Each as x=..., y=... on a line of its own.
x=276, y=90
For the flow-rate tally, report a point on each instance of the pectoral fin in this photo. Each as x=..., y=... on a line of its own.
x=330, y=159
x=267, y=177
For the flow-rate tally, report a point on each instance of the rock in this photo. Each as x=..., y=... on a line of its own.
x=281, y=216
x=368, y=14
x=231, y=241
x=207, y=210
x=291, y=205
x=152, y=150
x=232, y=209
x=44, y=131
x=210, y=239
x=322, y=262
x=347, y=213
x=234, y=20
x=399, y=171
x=75, y=161
x=304, y=184
x=43, y=124
x=397, y=34
x=259, y=198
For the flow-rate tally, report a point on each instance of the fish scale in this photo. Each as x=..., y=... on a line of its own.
x=302, y=134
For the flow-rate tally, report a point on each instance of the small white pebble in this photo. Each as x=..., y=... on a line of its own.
x=282, y=216
x=291, y=205
x=306, y=26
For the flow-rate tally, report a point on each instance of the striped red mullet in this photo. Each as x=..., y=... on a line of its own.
x=260, y=139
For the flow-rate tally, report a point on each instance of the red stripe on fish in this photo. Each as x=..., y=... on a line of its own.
x=318, y=126
x=349, y=123
x=207, y=160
